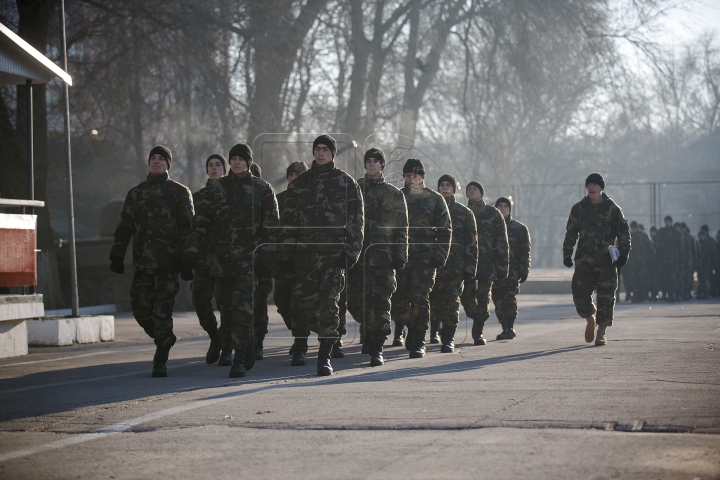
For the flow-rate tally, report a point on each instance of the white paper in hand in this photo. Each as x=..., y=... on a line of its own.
x=614, y=253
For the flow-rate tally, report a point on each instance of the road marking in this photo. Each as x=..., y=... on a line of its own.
x=129, y=424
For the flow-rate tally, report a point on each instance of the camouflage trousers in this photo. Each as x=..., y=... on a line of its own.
x=369, y=292
x=504, y=297
x=411, y=302
x=260, y=308
x=316, y=294
x=445, y=300
x=152, y=296
x=587, y=280
x=283, y=295
x=203, y=290
x=476, y=299
x=234, y=297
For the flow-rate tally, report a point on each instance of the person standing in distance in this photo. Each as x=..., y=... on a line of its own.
x=461, y=266
x=372, y=282
x=322, y=236
x=493, y=259
x=157, y=214
x=504, y=292
x=238, y=217
x=429, y=233
x=595, y=224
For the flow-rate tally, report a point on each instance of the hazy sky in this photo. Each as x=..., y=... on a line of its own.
x=683, y=26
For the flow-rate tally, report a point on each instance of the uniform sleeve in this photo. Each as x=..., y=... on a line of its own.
x=200, y=227
x=125, y=229
x=185, y=213
x=443, y=224
x=290, y=222
x=400, y=228
x=572, y=232
x=352, y=246
x=623, y=234
x=500, y=246
x=269, y=222
x=524, y=251
x=471, y=245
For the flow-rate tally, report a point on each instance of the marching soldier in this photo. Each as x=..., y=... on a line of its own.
x=461, y=266
x=237, y=217
x=429, y=236
x=638, y=268
x=504, y=292
x=595, y=223
x=158, y=214
x=493, y=259
x=669, y=248
x=707, y=258
x=322, y=236
x=372, y=282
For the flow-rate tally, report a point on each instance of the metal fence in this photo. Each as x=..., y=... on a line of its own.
x=545, y=209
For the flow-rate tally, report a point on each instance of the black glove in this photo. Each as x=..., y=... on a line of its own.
x=117, y=265
x=568, y=262
x=397, y=264
x=522, y=278
x=436, y=263
x=622, y=260
x=186, y=274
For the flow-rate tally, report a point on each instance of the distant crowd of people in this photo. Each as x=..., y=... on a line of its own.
x=664, y=264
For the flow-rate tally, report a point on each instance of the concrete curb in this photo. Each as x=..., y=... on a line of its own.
x=13, y=338
x=62, y=331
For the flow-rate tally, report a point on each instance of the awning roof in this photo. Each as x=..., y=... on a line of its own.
x=19, y=61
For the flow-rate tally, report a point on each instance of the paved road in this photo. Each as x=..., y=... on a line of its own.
x=544, y=405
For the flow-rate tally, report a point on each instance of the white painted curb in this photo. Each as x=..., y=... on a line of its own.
x=61, y=331
x=13, y=338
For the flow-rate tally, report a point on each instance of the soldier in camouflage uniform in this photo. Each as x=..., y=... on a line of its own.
x=707, y=258
x=595, y=223
x=429, y=236
x=158, y=214
x=371, y=282
x=638, y=268
x=669, y=250
x=461, y=266
x=504, y=292
x=237, y=218
x=322, y=235
x=285, y=280
x=493, y=259
x=203, y=284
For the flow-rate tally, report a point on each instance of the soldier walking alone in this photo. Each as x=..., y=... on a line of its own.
x=158, y=214
x=595, y=223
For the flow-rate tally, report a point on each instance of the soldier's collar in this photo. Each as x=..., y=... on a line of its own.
x=158, y=178
x=243, y=177
x=316, y=167
x=379, y=179
x=450, y=200
x=508, y=219
x=480, y=202
x=209, y=182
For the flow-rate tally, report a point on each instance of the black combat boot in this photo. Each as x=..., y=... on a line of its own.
x=375, y=346
x=434, y=327
x=509, y=330
x=238, y=364
x=336, y=351
x=161, y=357
x=213, y=353
x=477, y=332
x=226, y=357
x=259, y=347
x=399, y=338
x=416, y=343
x=324, y=368
x=448, y=339
x=300, y=356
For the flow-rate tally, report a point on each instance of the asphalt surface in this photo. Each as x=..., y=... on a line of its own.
x=544, y=405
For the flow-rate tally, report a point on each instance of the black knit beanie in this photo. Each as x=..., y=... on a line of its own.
x=296, y=167
x=219, y=157
x=256, y=170
x=595, y=178
x=450, y=179
x=667, y=217
x=705, y=228
x=375, y=153
x=328, y=141
x=414, y=165
x=243, y=151
x=478, y=185
x=504, y=200
x=633, y=224
x=164, y=151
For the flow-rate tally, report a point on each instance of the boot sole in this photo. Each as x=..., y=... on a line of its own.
x=376, y=363
x=480, y=342
x=417, y=355
x=510, y=335
x=324, y=373
x=590, y=330
x=446, y=349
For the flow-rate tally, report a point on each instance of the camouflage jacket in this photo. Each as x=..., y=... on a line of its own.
x=386, y=223
x=281, y=201
x=158, y=213
x=493, y=254
x=669, y=246
x=597, y=226
x=197, y=199
x=430, y=230
x=462, y=260
x=707, y=255
x=237, y=215
x=323, y=219
x=520, y=251
x=642, y=253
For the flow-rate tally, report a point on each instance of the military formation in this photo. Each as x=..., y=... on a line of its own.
x=666, y=263
x=409, y=255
